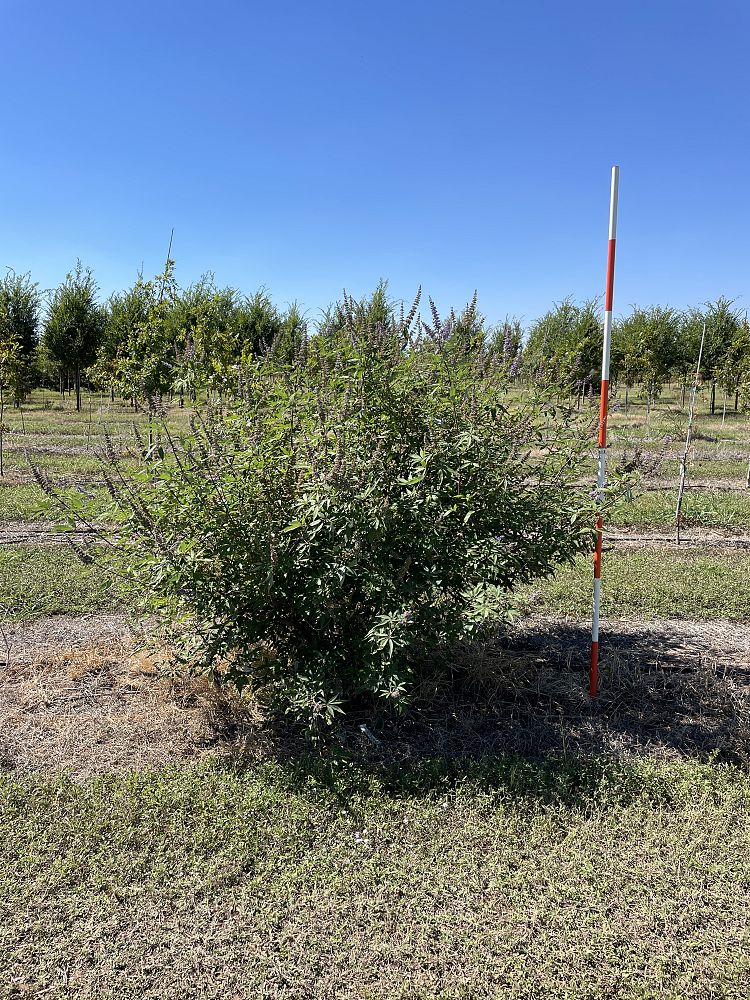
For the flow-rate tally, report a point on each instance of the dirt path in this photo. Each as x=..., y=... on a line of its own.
x=41, y=533
x=20, y=477
x=729, y=484
x=690, y=537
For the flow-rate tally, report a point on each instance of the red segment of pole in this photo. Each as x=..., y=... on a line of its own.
x=602, y=440
x=603, y=413
x=594, y=669
x=610, y=293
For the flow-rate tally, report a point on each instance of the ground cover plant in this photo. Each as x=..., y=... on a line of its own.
x=26, y=501
x=502, y=877
x=709, y=508
x=646, y=583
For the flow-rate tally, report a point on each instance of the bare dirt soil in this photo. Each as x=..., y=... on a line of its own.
x=690, y=537
x=42, y=533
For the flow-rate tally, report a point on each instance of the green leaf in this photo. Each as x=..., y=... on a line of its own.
x=292, y=527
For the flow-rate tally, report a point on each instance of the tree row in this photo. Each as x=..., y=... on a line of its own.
x=157, y=339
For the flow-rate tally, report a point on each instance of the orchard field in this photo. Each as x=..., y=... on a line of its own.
x=161, y=839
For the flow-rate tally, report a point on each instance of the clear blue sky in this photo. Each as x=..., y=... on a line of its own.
x=310, y=146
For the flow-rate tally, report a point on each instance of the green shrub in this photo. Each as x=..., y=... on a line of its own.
x=350, y=512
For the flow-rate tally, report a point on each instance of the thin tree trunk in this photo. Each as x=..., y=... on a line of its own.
x=713, y=396
x=2, y=417
x=78, y=388
x=683, y=459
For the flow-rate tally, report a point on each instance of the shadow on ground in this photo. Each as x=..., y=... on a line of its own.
x=667, y=690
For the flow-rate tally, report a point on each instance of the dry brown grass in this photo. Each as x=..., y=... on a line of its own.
x=671, y=689
x=95, y=709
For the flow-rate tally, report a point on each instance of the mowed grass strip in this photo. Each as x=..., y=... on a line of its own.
x=505, y=878
x=732, y=471
x=58, y=463
x=704, y=508
x=40, y=580
x=652, y=583
x=27, y=502
x=20, y=502
x=658, y=582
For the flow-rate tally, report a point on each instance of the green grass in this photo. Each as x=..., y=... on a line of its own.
x=20, y=501
x=734, y=471
x=704, y=508
x=62, y=464
x=63, y=438
x=39, y=580
x=669, y=420
x=652, y=583
x=501, y=879
x=25, y=501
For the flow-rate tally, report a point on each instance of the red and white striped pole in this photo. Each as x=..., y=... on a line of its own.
x=603, y=412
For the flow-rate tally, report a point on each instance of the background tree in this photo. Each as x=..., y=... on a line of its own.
x=657, y=336
x=123, y=314
x=257, y=325
x=687, y=348
x=75, y=323
x=149, y=361
x=19, y=333
x=567, y=344
x=626, y=366
x=204, y=335
x=722, y=328
x=731, y=371
x=10, y=368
